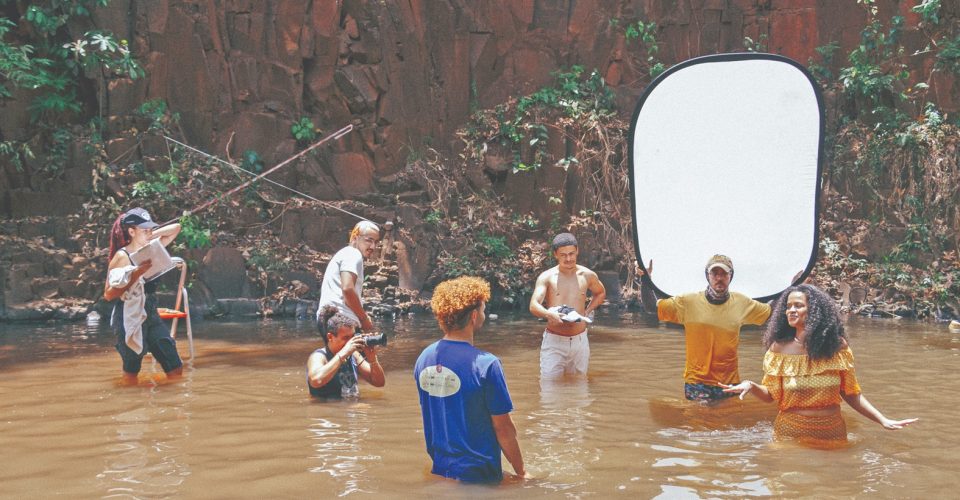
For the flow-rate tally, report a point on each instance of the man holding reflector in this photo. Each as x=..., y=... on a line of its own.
x=725, y=155
x=711, y=320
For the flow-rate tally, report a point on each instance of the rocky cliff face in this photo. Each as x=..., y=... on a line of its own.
x=407, y=74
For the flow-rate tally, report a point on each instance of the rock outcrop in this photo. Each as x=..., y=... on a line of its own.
x=410, y=73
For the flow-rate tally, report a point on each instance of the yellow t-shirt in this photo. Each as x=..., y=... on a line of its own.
x=713, y=333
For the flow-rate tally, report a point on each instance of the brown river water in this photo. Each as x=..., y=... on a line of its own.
x=240, y=424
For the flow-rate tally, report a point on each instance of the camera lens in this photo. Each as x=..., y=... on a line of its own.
x=376, y=339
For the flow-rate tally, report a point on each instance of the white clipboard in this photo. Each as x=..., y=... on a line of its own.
x=157, y=254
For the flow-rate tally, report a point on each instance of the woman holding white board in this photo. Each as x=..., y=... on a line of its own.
x=134, y=315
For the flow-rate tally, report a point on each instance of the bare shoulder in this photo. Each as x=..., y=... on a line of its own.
x=586, y=272
x=776, y=347
x=549, y=273
x=843, y=343
x=317, y=357
x=119, y=259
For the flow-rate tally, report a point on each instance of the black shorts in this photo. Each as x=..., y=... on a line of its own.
x=156, y=339
x=704, y=392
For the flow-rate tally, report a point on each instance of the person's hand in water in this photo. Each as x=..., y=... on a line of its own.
x=894, y=425
x=743, y=388
x=517, y=478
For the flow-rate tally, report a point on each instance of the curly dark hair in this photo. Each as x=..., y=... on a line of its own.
x=331, y=321
x=825, y=333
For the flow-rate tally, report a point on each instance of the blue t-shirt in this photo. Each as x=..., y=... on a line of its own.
x=460, y=388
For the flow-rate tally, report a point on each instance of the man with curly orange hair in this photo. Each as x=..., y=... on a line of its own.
x=463, y=394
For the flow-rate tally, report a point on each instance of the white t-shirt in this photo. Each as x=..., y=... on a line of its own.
x=348, y=259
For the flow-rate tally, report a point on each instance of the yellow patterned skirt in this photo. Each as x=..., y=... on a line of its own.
x=824, y=429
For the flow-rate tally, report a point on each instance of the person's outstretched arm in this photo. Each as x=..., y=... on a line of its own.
x=863, y=407
x=749, y=387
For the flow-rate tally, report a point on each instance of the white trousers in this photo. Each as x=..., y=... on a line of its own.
x=560, y=354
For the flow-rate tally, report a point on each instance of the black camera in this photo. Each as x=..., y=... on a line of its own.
x=375, y=339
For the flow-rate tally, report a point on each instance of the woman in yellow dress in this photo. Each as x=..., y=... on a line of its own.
x=808, y=369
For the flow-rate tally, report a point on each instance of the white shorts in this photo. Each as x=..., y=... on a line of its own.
x=560, y=354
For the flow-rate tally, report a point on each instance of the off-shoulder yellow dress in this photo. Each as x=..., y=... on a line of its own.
x=796, y=381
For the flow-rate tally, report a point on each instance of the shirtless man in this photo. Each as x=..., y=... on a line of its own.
x=565, y=348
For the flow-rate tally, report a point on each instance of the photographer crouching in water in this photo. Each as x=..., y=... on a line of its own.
x=332, y=370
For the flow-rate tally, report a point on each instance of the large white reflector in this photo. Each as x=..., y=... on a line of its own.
x=725, y=158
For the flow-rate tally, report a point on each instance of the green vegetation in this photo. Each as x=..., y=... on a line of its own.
x=158, y=185
x=891, y=161
x=929, y=10
x=17, y=152
x=527, y=221
x=158, y=113
x=927, y=291
x=523, y=125
x=876, y=70
x=822, y=71
x=40, y=60
x=948, y=57
x=758, y=45
x=37, y=54
x=252, y=162
x=193, y=232
x=304, y=131
x=492, y=258
x=645, y=33
x=267, y=260
x=433, y=217
x=493, y=246
x=875, y=81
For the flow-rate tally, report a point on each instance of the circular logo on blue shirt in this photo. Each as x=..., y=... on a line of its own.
x=439, y=382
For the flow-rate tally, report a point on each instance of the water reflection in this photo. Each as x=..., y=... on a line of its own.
x=710, y=449
x=339, y=447
x=145, y=458
x=559, y=429
x=242, y=425
x=40, y=343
